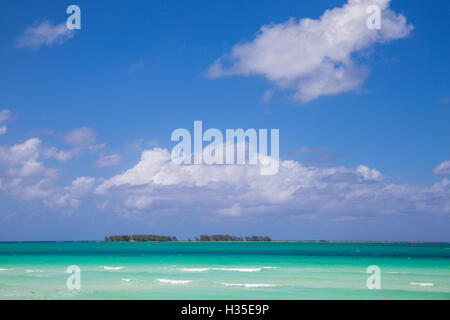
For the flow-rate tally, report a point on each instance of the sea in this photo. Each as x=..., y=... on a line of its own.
x=222, y=270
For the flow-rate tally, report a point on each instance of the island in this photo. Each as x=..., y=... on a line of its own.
x=202, y=238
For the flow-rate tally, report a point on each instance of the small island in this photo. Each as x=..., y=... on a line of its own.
x=202, y=238
x=140, y=238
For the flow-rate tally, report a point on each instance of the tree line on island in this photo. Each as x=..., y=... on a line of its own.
x=226, y=237
x=202, y=238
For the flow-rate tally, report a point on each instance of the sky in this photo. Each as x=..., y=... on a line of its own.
x=86, y=117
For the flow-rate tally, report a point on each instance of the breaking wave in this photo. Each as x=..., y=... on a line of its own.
x=249, y=285
x=227, y=269
x=422, y=284
x=174, y=281
x=113, y=268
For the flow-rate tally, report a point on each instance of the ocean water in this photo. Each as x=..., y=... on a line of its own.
x=183, y=270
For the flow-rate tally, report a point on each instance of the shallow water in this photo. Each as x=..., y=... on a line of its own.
x=224, y=270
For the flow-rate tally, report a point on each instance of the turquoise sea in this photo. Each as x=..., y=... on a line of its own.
x=194, y=270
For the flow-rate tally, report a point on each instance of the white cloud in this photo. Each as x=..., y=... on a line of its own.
x=38, y=190
x=30, y=168
x=82, y=185
x=314, y=57
x=443, y=168
x=44, y=34
x=60, y=155
x=23, y=173
x=18, y=153
x=80, y=136
x=83, y=138
x=156, y=168
x=5, y=115
x=70, y=196
x=234, y=210
x=369, y=174
x=156, y=184
x=108, y=160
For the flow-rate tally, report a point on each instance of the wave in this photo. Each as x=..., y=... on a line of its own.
x=240, y=269
x=397, y=272
x=226, y=269
x=113, y=268
x=128, y=280
x=31, y=270
x=248, y=285
x=422, y=284
x=174, y=281
x=5, y=269
x=196, y=269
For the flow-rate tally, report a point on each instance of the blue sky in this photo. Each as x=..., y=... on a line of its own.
x=365, y=162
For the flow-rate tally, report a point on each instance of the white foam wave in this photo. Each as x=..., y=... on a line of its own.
x=5, y=269
x=422, y=284
x=195, y=269
x=174, y=281
x=257, y=285
x=113, y=268
x=248, y=285
x=31, y=270
x=224, y=269
x=128, y=280
x=240, y=269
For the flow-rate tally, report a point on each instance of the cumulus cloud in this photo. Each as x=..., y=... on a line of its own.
x=70, y=196
x=108, y=160
x=26, y=172
x=44, y=34
x=442, y=168
x=156, y=184
x=314, y=57
x=28, y=150
x=22, y=172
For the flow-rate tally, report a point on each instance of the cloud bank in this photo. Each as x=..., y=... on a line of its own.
x=156, y=184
